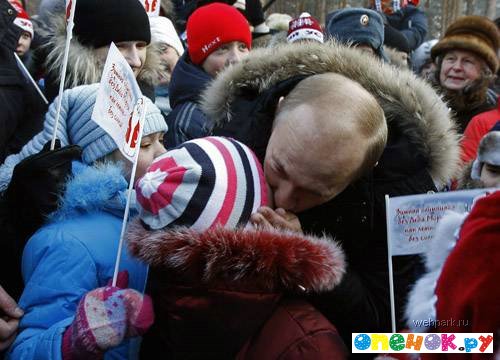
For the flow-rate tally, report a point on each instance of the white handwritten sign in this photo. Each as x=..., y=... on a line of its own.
x=411, y=220
x=119, y=105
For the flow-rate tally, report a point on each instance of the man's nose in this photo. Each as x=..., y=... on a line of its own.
x=284, y=197
x=457, y=66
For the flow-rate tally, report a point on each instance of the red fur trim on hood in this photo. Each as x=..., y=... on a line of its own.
x=270, y=261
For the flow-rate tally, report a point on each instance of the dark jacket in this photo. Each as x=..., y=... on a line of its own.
x=16, y=124
x=422, y=152
x=21, y=109
x=11, y=84
x=464, y=115
x=186, y=121
x=33, y=193
x=412, y=22
x=226, y=294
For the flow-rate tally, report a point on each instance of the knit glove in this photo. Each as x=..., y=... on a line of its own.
x=104, y=318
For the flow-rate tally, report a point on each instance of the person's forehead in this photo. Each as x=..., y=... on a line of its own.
x=310, y=153
x=463, y=53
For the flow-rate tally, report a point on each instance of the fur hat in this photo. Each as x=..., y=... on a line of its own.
x=487, y=152
x=202, y=183
x=305, y=27
x=77, y=128
x=477, y=34
x=163, y=31
x=358, y=26
x=98, y=22
x=213, y=25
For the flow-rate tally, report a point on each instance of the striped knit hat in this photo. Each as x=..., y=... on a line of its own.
x=200, y=184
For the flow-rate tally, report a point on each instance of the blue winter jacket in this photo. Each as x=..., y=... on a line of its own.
x=186, y=121
x=70, y=256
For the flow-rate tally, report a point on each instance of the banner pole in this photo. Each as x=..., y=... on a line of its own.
x=69, y=35
x=389, y=262
x=33, y=82
x=129, y=195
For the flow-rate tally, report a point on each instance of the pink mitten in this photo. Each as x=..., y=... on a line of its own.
x=104, y=318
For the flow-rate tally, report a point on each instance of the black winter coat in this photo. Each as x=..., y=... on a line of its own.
x=186, y=121
x=421, y=149
x=21, y=109
x=356, y=218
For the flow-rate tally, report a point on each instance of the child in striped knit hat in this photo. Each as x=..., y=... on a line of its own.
x=218, y=284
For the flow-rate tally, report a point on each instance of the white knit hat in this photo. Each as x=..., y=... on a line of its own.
x=163, y=31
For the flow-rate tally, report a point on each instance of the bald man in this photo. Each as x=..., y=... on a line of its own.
x=311, y=159
x=347, y=131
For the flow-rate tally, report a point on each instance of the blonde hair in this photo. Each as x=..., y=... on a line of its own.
x=344, y=106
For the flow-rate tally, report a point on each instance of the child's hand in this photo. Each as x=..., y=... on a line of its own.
x=268, y=218
x=104, y=318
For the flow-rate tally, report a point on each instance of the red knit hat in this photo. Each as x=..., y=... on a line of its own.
x=22, y=19
x=305, y=27
x=211, y=26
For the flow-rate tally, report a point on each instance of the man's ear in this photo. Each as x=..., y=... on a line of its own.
x=278, y=107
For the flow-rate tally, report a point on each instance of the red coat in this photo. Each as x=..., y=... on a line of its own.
x=468, y=288
x=475, y=130
x=226, y=294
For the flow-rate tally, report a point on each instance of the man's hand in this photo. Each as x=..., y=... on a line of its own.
x=10, y=314
x=267, y=218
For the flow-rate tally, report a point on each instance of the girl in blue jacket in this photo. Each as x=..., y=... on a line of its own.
x=66, y=265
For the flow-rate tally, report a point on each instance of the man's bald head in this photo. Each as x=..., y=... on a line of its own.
x=328, y=131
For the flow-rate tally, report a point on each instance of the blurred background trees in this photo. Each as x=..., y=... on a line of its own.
x=439, y=12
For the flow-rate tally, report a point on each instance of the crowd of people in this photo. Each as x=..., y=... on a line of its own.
x=258, y=218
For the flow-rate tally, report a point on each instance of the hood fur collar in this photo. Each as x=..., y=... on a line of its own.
x=84, y=67
x=420, y=112
x=241, y=258
x=90, y=189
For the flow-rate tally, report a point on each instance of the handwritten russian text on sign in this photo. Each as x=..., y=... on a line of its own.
x=117, y=98
x=413, y=219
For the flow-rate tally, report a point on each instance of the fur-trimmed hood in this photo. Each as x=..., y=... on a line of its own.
x=421, y=114
x=241, y=259
x=90, y=189
x=84, y=66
